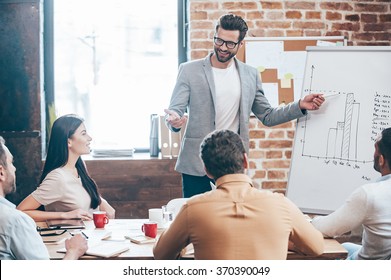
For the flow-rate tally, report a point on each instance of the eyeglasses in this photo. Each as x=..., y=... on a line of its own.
x=219, y=42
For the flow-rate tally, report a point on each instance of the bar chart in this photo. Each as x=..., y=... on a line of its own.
x=342, y=138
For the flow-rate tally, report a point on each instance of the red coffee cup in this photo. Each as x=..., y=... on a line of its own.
x=100, y=219
x=149, y=229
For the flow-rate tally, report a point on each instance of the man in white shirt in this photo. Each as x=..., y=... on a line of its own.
x=368, y=206
x=19, y=239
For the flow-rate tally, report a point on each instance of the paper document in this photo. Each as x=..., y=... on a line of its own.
x=105, y=249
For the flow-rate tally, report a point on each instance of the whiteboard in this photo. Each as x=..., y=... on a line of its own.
x=333, y=147
x=281, y=61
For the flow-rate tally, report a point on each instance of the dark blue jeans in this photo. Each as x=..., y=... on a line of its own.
x=192, y=185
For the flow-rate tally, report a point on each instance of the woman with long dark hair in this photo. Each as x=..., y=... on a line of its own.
x=66, y=189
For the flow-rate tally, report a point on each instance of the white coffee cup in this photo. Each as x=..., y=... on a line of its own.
x=156, y=215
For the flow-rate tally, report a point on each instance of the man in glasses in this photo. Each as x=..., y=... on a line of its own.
x=19, y=239
x=220, y=92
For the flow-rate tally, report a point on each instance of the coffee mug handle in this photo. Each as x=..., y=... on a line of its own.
x=106, y=220
x=142, y=228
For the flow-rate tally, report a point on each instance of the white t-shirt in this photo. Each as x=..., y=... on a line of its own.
x=227, y=86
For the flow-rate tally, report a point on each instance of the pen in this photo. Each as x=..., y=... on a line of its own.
x=85, y=235
x=331, y=94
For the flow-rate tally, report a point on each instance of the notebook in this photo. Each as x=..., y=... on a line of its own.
x=141, y=239
x=66, y=224
x=54, y=239
x=104, y=249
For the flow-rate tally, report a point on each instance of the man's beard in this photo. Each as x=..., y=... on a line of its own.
x=224, y=59
x=11, y=188
x=376, y=163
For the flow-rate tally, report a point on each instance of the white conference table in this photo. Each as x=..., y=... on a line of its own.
x=119, y=228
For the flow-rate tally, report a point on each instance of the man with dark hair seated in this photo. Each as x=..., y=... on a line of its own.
x=368, y=207
x=236, y=220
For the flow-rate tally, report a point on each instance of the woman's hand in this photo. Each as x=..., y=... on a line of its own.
x=77, y=214
x=105, y=206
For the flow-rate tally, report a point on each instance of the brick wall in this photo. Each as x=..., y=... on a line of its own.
x=361, y=22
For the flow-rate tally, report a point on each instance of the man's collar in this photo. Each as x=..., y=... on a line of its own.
x=233, y=178
x=6, y=202
x=384, y=178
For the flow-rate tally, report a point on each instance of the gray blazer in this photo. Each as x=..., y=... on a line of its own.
x=195, y=91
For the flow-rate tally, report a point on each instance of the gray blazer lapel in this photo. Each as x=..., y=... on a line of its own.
x=209, y=76
x=244, y=94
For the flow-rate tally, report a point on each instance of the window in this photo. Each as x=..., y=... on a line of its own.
x=115, y=63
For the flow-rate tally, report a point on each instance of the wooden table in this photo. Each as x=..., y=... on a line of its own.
x=333, y=250
x=120, y=228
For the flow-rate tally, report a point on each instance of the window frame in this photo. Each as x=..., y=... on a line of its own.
x=48, y=61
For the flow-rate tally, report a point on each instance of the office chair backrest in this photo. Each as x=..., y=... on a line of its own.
x=175, y=205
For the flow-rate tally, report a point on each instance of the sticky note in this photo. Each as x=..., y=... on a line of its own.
x=286, y=83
